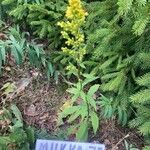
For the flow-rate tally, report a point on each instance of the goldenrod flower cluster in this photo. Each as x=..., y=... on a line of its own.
x=75, y=10
x=72, y=32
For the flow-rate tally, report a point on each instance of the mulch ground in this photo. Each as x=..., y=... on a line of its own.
x=40, y=100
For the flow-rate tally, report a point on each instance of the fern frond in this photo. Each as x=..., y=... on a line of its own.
x=141, y=2
x=19, y=12
x=7, y=2
x=124, y=6
x=145, y=128
x=143, y=60
x=136, y=122
x=142, y=96
x=114, y=84
x=140, y=26
x=144, y=80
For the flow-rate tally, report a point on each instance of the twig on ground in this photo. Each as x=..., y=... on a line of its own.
x=114, y=147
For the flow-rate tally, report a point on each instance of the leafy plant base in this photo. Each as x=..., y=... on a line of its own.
x=47, y=99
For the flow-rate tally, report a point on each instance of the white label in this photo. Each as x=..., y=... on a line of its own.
x=66, y=145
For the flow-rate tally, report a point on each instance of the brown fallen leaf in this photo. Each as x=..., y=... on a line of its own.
x=7, y=68
x=3, y=36
x=43, y=117
x=22, y=84
x=30, y=111
x=107, y=142
x=19, y=88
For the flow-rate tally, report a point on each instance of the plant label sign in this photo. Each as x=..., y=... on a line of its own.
x=66, y=145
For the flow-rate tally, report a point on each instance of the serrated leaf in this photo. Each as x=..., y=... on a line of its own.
x=84, y=112
x=73, y=91
x=95, y=121
x=69, y=111
x=74, y=116
x=89, y=78
x=82, y=132
x=91, y=101
x=75, y=97
x=93, y=89
x=83, y=96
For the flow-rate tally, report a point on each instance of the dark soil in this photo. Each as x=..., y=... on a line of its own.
x=40, y=101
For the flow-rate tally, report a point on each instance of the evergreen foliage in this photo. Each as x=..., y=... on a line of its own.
x=40, y=15
x=141, y=99
x=118, y=33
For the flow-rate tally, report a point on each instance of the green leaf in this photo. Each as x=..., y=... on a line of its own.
x=8, y=88
x=92, y=90
x=37, y=50
x=25, y=146
x=50, y=68
x=16, y=112
x=84, y=112
x=91, y=101
x=146, y=148
x=143, y=96
x=82, y=65
x=3, y=53
x=124, y=6
x=95, y=121
x=110, y=111
x=0, y=64
x=108, y=62
x=140, y=25
x=30, y=134
x=73, y=91
x=83, y=96
x=74, y=116
x=18, y=136
x=82, y=132
x=18, y=124
x=4, y=140
x=75, y=97
x=89, y=78
x=145, y=128
x=15, y=54
x=43, y=60
x=69, y=111
x=125, y=118
x=7, y=2
x=120, y=114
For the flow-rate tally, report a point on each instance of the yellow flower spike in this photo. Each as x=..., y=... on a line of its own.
x=75, y=18
x=75, y=10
